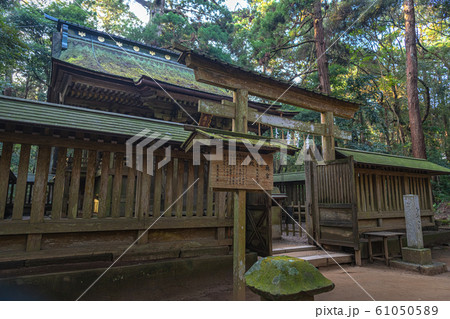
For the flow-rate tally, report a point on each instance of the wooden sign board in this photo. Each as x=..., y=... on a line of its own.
x=224, y=176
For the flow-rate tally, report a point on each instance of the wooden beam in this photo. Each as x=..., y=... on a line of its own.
x=228, y=110
x=18, y=227
x=233, y=78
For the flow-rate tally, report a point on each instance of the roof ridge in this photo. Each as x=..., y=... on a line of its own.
x=108, y=34
x=378, y=153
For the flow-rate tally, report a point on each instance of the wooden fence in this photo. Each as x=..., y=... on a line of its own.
x=294, y=204
x=380, y=198
x=128, y=200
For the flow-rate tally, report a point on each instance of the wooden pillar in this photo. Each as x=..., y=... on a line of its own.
x=328, y=139
x=239, y=245
x=311, y=197
x=240, y=98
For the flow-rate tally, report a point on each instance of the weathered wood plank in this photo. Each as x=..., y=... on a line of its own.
x=430, y=193
x=158, y=187
x=228, y=111
x=130, y=192
x=21, y=187
x=367, y=192
x=145, y=193
x=200, y=189
x=190, y=193
x=60, y=182
x=270, y=89
x=40, y=185
x=5, y=162
x=88, y=198
x=239, y=245
x=74, y=188
x=328, y=151
x=388, y=172
x=117, y=185
x=168, y=189
x=179, y=189
x=363, y=193
x=137, y=201
x=103, y=193
x=108, y=224
x=33, y=242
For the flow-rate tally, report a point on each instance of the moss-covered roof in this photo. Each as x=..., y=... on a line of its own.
x=77, y=118
x=393, y=161
x=289, y=177
x=108, y=57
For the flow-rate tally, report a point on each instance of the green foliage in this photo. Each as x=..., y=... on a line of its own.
x=366, y=55
x=12, y=47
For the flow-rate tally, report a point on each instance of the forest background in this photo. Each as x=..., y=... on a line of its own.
x=365, y=59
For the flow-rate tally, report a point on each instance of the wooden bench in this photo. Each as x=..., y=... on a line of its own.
x=385, y=235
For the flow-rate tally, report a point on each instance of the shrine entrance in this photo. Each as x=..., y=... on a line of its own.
x=243, y=83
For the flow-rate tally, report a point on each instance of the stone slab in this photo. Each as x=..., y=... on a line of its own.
x=421, y=256
x=435, y=268
x=413, y=222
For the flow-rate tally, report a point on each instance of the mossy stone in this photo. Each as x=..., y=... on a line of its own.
x=286, y=278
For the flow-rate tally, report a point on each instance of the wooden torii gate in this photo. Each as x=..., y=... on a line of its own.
x=243, y=83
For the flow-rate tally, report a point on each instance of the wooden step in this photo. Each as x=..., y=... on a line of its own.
x=325, y=260
x=320, y=258
x=286, y=250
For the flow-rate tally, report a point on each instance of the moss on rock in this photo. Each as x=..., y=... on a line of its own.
x=286, y=278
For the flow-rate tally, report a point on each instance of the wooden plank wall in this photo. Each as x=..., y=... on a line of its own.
x=83, y=173
x=335, y=218
x=380, y=198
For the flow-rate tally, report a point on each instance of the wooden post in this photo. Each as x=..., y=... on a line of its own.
x=240, y=98
x=5, y=163
x=239, y=245
x=311, y=196
x=328, y=139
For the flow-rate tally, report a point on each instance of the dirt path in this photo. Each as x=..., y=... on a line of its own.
x=379, y=281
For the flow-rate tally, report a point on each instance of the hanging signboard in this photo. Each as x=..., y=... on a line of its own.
x=226, y=176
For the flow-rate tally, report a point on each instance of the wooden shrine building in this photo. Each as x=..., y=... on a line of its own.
x=359, y=192
x=83, y=200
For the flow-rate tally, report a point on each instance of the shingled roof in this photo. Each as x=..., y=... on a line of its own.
x=71, y=117
x=389, y=160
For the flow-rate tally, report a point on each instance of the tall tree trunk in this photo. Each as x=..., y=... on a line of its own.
x=324, y=80
x=322, y=62
x=415, y=121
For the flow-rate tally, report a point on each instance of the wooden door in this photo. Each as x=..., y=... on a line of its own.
x=331, y=203
x=259, y=224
